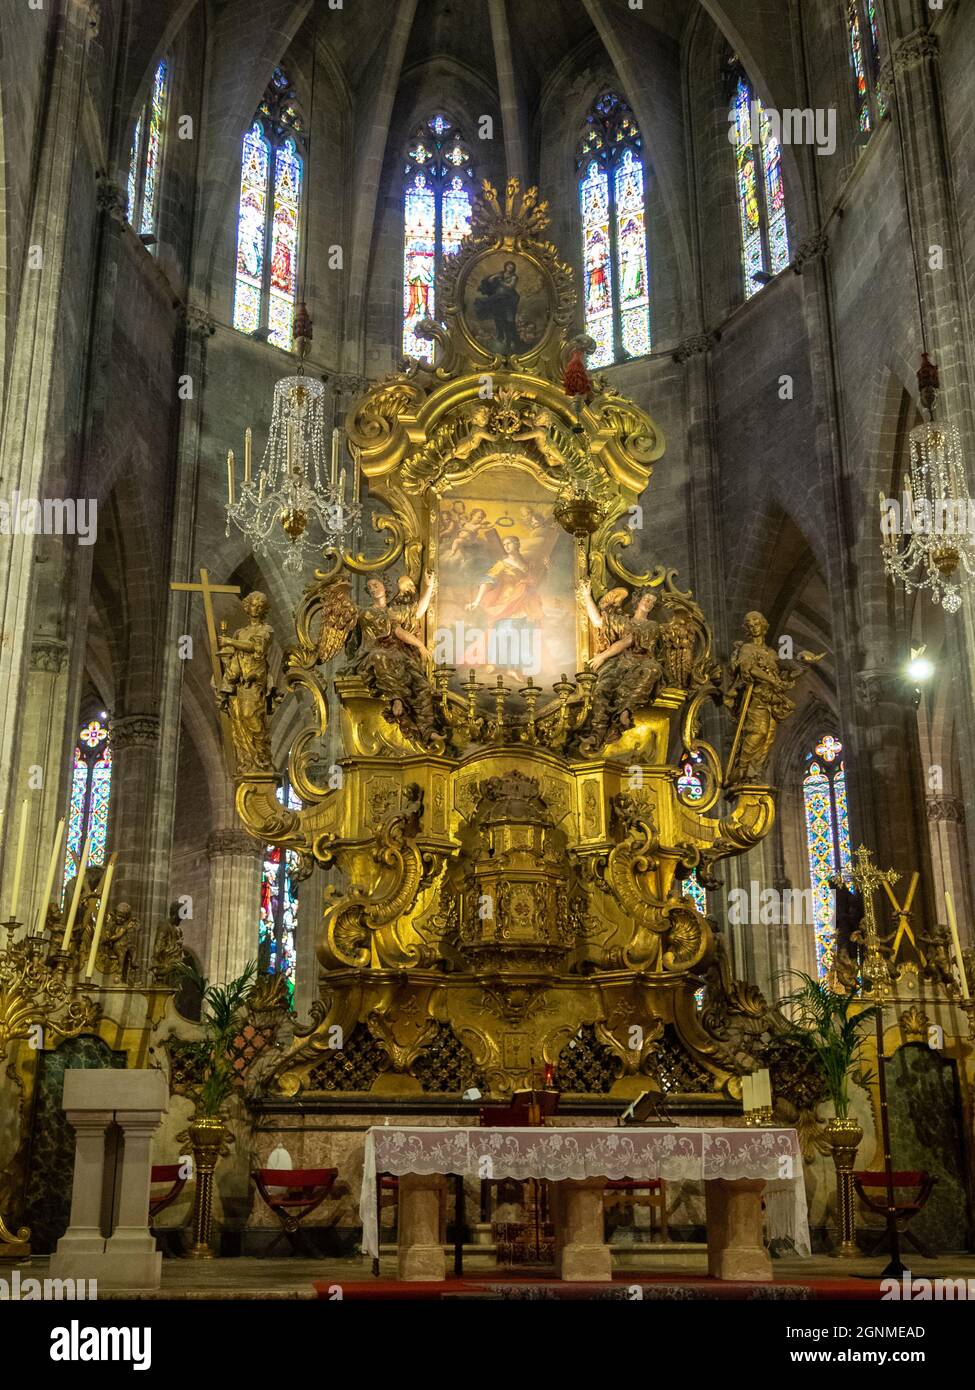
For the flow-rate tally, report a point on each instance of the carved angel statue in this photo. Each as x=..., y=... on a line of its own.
x=393, y=657
x=167, y=952
x=119, y=939
x=538, y=424
x=759, y=697
x=247, y=693
x=627, y=663
x=477, y=433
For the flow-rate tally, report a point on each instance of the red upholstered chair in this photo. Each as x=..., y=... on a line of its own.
x=872, y=1190
x=161, y=1173
x=166, y=1182
x=292, y=1194
x=655, y=1199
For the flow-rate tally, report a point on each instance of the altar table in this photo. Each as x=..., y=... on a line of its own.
x=739, y=1167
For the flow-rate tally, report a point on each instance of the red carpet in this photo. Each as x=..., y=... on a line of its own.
x=517, y=1287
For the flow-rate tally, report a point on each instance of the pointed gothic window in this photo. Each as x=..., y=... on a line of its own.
x=761, y=193
x=616, y=281
x=145, y=157
x=268, y=216
x=827, y=838
x=436, y=218
x=863, y=29
x=276, y=948
x=91, y=784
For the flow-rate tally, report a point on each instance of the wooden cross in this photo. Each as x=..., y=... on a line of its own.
x=206, y=589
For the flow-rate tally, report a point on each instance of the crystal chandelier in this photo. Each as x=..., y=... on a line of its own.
x=938, y=551
x=295, y=505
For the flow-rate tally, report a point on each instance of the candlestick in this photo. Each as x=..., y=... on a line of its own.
x=230, y=477
x=336, y=438
x=763, y=1090
x=19, y=861
x=956, y=943
x=52, y=869
x=357, y=476
x=102, y=905
x=248, y=454
x=79, y=884
x=747, y=1093
x=342, y=486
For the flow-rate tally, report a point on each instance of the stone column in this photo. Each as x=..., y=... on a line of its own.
x=889, y=757
x=198, y=328
x=132, y=1249
x=584, y=1255
x=34, y=341
x=234, y=903
x=913, y=84
x=135, y=752
x=83, y=1243
x=421, y=1255
x=736, y=1245
x=949, y=854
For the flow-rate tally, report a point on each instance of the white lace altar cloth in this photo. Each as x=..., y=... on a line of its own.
x=556, y=1154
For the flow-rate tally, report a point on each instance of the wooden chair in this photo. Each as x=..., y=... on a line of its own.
x=298, y=1192
x=920, y=1185
x=655, y=1199
x=158, y=1201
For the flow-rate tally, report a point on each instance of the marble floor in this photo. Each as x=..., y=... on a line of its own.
x=293, y=1278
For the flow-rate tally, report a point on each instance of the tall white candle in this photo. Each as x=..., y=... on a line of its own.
x=19, y=861
x=336, y=437
x=763, y=1089
x=79, y=884
x=248, y=454
x=956, y=943
x=106, y=888
x=230, y=477
x=747, y=1093
x=52, y=869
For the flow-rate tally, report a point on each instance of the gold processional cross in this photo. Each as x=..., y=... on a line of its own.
x=868, y=878
x=207, y=590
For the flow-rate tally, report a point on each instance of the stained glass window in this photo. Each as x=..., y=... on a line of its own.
x=436, y=218
x=276, y=941
x=827, y=838
x=145, y=157
x=269, y=216
x=759, y=187
x=612, y=206
x=91, y=784
x=863, y=28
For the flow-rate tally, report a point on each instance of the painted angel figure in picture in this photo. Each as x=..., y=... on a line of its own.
x=759, y=696
x=247, y=693
x=627, y=663
x=393, y=657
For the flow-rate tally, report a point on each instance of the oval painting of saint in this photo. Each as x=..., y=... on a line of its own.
x=506, y=303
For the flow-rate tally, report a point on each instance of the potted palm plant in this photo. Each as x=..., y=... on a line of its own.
x=221, y=1016
x=831, y=1025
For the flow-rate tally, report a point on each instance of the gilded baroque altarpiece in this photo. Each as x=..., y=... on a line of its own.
x=524, y=790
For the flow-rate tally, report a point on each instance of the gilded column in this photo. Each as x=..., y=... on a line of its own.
x=234, y=903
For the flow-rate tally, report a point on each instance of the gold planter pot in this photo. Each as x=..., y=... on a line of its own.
x=845, y=1137
x=208, y=1138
